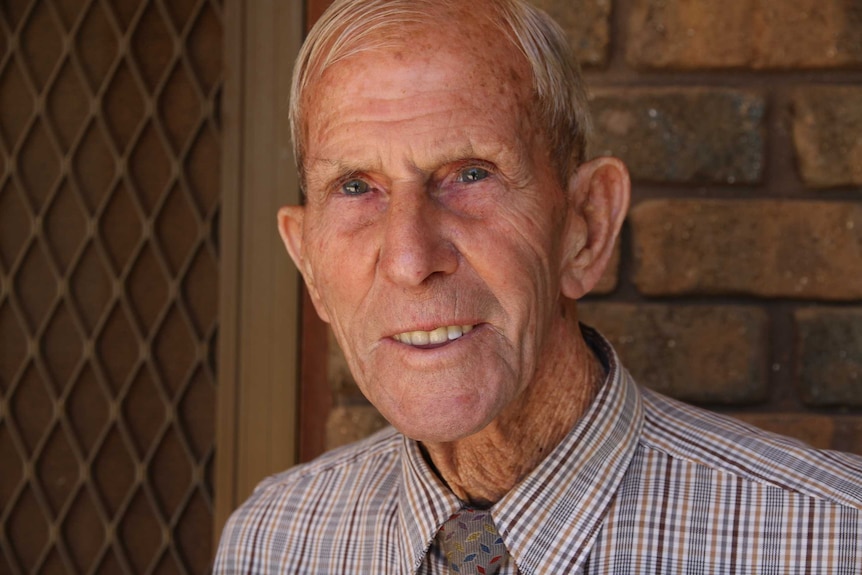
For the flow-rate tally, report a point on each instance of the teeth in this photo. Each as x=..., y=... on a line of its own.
x=437, y=336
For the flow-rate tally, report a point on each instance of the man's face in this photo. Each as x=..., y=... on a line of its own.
x=430, y=237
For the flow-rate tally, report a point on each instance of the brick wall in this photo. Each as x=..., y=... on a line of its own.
x=737, y=283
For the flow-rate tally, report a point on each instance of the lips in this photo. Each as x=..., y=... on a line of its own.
x=437, y=336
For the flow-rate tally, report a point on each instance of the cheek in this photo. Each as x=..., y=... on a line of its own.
x=524, y=250
x=329, y=271
x=344, y=266
x=341, y=254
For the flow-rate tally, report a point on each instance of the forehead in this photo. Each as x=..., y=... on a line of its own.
x=466, y=61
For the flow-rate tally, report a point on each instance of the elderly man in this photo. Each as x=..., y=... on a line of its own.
x=451, y=222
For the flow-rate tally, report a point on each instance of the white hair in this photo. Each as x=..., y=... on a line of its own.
x=349, y=27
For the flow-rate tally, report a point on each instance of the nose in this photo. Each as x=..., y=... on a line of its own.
x=415, y=244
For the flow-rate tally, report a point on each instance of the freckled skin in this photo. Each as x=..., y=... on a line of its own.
x=423, y=248
x=430, y=256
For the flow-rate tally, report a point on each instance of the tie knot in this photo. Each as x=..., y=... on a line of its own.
x=471, y=543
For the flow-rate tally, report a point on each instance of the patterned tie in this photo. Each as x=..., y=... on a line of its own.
x=472, y=543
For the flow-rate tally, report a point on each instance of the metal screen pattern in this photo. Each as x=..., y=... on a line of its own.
x=109, y=200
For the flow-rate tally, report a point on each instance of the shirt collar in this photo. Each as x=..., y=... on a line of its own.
x=425, y=503
x=551, y=518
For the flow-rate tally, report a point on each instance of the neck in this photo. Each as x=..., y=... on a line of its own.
x=482, y=468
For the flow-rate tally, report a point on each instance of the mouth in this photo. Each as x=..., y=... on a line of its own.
x=435, y=337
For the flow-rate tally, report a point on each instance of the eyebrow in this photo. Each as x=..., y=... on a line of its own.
x=322, y=171
x=325, y=169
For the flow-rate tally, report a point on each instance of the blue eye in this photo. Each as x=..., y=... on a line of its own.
x=473, y=174
x=354, y=187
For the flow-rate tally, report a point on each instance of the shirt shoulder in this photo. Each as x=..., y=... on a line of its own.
x=347, y=459
x=731, y=446
x=293, y=520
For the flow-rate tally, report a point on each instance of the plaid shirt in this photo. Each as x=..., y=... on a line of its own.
x=642, y=484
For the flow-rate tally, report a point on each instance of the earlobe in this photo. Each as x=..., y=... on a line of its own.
x=598, y=202
x=291, y=220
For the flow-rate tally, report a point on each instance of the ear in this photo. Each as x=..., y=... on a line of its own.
x=598, y=201
x=290, y=226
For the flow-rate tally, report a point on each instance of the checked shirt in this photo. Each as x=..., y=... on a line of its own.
x=641, y=484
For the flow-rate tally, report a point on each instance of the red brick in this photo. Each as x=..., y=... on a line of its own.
x=815, y=430
x=347, y=424
x=848, y=434
x=745, y=34
x=696, y=353
x=693, y=135
x=829, y=356
x=586, y=23
x=827, y=132
x=762, y=248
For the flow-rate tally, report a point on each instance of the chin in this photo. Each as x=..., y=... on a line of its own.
x=439, y=428
x=442, y=406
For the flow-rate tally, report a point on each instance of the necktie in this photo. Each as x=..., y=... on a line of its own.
x=472, y=543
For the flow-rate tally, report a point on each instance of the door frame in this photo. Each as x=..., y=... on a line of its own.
x=259, y=302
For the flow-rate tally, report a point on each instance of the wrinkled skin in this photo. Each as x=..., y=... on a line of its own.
x=432, y=201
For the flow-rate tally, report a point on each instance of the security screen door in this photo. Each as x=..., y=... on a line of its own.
x=110, y=148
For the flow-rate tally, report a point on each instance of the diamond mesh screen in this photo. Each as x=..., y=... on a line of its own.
x=109, y=199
